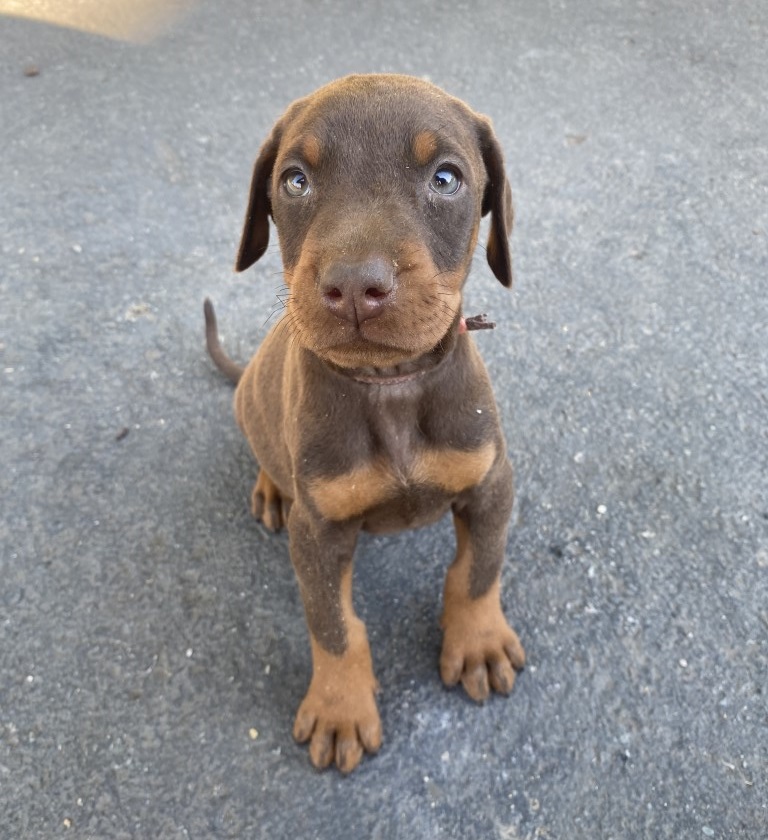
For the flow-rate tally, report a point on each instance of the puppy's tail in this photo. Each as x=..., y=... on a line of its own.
x=230, y=369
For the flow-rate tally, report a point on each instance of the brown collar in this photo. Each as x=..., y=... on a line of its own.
x=386, y=378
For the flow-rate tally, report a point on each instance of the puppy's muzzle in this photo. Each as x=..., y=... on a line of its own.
x=358, y=291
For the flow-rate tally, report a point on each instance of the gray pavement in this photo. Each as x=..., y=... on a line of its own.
x=152, y=644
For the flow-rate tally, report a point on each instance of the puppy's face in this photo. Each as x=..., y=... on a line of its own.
x=376, y=185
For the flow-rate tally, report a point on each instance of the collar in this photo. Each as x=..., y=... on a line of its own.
x=385, y=378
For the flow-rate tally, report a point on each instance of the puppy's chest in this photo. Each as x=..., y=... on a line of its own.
x=399, y=472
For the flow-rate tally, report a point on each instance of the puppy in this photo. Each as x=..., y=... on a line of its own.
x=368, y=405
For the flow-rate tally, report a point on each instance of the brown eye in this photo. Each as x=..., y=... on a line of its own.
x=296, y=183
x=446, y=181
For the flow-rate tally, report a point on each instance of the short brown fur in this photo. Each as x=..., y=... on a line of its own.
x=368, y=406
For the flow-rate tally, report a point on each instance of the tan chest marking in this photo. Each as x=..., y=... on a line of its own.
x=352, y=494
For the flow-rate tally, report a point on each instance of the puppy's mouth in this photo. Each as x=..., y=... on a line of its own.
x=398, y=335
x=364, y=354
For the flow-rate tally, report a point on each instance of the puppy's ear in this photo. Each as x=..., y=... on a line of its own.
x=497, y=200
x=255, y=237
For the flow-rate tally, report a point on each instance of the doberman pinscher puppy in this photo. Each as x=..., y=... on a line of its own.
x=368, y=406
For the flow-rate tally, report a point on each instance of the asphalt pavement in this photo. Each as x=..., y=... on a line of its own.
x=153, y=649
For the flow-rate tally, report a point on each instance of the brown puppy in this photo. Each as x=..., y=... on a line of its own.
x=368, y=406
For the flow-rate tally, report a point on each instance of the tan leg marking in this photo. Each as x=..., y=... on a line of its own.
x=339, y=716
x=267, y=503
x=479, y=648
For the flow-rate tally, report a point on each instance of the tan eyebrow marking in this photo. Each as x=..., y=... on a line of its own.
x=311, y=150
x=424, y=147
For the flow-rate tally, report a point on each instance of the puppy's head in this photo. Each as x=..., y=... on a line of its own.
x=376, y=185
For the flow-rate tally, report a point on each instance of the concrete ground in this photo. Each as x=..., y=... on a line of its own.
x=152, y=644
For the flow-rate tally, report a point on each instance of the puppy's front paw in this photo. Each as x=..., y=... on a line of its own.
x=338, y=716
x=480, y=649
x=340, y=726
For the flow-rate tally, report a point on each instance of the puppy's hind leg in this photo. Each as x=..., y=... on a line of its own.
x=268, y=504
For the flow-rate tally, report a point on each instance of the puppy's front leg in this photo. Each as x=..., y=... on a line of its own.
x=479, y=648
x=338, y=716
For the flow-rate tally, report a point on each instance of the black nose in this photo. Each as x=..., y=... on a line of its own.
x=357, y=291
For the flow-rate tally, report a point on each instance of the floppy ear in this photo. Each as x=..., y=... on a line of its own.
x=497, y=200
x=255, y=237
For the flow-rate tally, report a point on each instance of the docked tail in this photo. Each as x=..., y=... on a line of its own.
x=230, y=369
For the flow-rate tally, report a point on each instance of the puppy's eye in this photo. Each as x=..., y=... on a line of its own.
x=296, y=183
x=446, y=181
